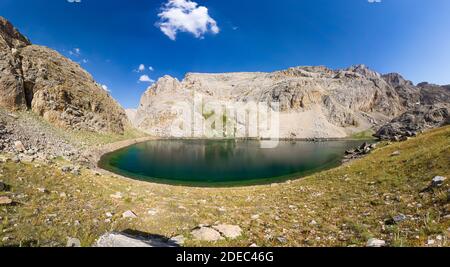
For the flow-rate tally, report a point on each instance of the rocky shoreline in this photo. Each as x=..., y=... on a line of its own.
x=359, y=152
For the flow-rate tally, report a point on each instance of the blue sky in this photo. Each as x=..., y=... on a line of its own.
x=111, y=38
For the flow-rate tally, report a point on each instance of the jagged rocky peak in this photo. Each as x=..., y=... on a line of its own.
x=164, y=84
x=11, y=36
x=308, y=72
x=432, y=94
x=42, y=80
x=364, y=71
x=432, y=85
x=395, y=80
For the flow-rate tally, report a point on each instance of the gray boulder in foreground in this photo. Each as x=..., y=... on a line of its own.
x=376, y=243
x=110, y=240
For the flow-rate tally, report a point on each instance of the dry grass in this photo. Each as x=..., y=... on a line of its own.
x=349, y=204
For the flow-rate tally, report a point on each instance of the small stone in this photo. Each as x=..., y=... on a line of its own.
x=282, y=239
x=178, y=240
x=253, y=245
x=14, y=116
x=376, y=243
x=73, y=243
x=5, y=201
x=398, y=219
x=5, y=239
x=76, y=171
x=438, y=181
x=206, y=234
x=42, y=190
x=350, y=152
x=109, y=215
x=229, y=231
x=117, y=195
x=62, y=195
x=313, y=222
x=66, y=169
x=255, y=217
x=431, y=242
x=3, y=187
x=152, y=212
x=396, y=153
x=19, y=147
x=129, y=214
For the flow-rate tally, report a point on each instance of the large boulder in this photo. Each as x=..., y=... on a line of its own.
x=125, y=240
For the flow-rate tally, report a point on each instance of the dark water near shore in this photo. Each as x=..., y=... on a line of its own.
x=224, y=163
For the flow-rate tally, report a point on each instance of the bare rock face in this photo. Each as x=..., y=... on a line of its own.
x=413, y=122
x=131, y=114
x=40, y=79
x=428, y=107
x=315, y=102
x=11, y=82
x=155, y=114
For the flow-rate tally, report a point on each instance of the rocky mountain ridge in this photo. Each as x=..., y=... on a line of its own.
x=37, y=78
x=315, y=102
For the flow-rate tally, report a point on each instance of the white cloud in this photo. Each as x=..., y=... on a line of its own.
x=146, y=79
x=75, y=52
x=74, y=1
x=185, y=16
x=104, y=87
x=374, y=1
x=141, y=68
x=151, y=68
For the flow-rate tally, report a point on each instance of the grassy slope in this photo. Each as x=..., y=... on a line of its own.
x=349, y=203
x=365, y=135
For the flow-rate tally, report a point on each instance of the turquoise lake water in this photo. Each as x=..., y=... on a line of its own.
x=225, y=162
